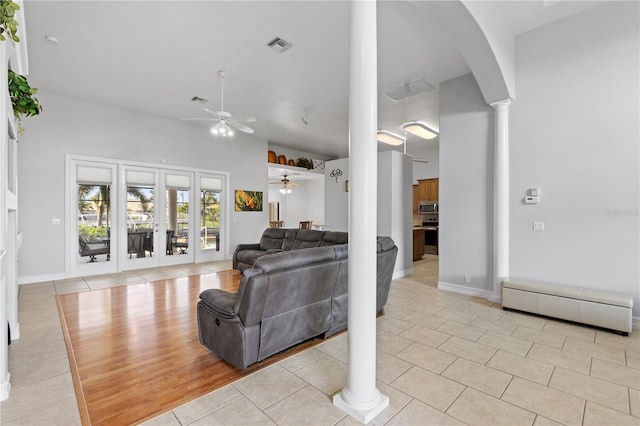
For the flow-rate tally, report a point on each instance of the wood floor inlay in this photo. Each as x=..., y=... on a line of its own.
x=134, y=350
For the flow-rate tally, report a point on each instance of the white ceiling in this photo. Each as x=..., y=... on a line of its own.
x=154, y=56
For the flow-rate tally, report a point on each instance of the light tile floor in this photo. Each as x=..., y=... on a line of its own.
x=443, y=358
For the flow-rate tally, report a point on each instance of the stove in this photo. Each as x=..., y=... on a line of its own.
x=431, y=221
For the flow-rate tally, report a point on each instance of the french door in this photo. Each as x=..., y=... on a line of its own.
x=136, y=216
x=155, y=206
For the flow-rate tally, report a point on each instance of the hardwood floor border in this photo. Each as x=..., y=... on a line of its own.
x=75, y=376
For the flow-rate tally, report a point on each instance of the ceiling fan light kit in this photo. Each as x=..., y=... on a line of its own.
x=287, y=185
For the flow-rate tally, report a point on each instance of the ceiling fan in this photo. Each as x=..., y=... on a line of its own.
x=286, y=185
x=225, y=122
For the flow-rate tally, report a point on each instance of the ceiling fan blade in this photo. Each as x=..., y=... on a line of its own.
x=197, y=119
x=241, y=127
x=243, y=119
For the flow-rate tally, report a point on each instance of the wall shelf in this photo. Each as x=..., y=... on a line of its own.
x=282, y=169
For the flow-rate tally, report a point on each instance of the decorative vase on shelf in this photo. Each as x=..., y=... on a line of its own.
x=271, y=157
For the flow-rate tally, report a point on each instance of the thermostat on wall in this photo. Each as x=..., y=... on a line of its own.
x=531, y=200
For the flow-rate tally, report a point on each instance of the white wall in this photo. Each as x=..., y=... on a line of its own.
x=306, y=202
x=336, y=199
x=84, y=128
x=395, y=206
x=395, y=201
x=575, y=134
x=465, y=185
x=426, y=170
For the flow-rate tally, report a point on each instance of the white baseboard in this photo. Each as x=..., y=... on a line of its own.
x=469, y=291
x=5, y=388
x=635, y=322
x=403, y=273
x=15, y=332
x=33, y=279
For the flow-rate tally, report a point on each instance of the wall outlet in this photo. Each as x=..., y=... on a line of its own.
x=467, y=279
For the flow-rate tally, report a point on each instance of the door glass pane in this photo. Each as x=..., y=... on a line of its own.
x=94, y=222
x=140, y=222
x=177, y=220
x=210, y=219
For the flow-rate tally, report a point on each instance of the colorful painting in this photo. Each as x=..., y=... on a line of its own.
x=248, y=201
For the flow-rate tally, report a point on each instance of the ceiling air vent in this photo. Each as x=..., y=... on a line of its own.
x=410, y=89
x=279, y=45
x=199, y=100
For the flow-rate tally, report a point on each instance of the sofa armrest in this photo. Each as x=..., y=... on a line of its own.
x=240, y=247
x=220, y=302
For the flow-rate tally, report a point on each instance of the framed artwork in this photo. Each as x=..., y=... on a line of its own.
x=248, y=201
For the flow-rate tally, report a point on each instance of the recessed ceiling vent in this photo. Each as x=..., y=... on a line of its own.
x=199, y=100
x=410, y=89
x=279, y=45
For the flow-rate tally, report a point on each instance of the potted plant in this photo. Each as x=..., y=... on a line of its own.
x=8, y=25
x=22, y=98
x=304, y=162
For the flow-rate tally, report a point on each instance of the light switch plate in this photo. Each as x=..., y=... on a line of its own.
x=538, y=226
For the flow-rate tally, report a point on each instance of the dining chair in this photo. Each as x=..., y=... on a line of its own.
x=305, y=224
x=276, y=224
x=136, y=243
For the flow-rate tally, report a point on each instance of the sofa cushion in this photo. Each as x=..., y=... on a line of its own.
x=289, y=238
x=331, y=238
x=292, y=259
x=249, y=257
x=307, y=238
x=272, y=238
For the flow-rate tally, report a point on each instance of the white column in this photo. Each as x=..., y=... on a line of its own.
x=361, y=398
x=500, y=196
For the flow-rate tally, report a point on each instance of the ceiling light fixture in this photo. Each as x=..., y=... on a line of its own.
x=222, y=129
x=390, y=138
x=420, y=130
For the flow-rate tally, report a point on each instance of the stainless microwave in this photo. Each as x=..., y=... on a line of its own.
x=425, y=207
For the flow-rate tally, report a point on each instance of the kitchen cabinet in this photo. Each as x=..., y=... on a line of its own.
x=415, y=199
x=418, y=243
x=427, y=189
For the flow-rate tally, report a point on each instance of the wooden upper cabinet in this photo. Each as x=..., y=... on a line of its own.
x=415, y=199
x=427, y=189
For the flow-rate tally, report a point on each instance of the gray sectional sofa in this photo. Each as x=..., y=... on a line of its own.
x=275, y=240
x=285, y=298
